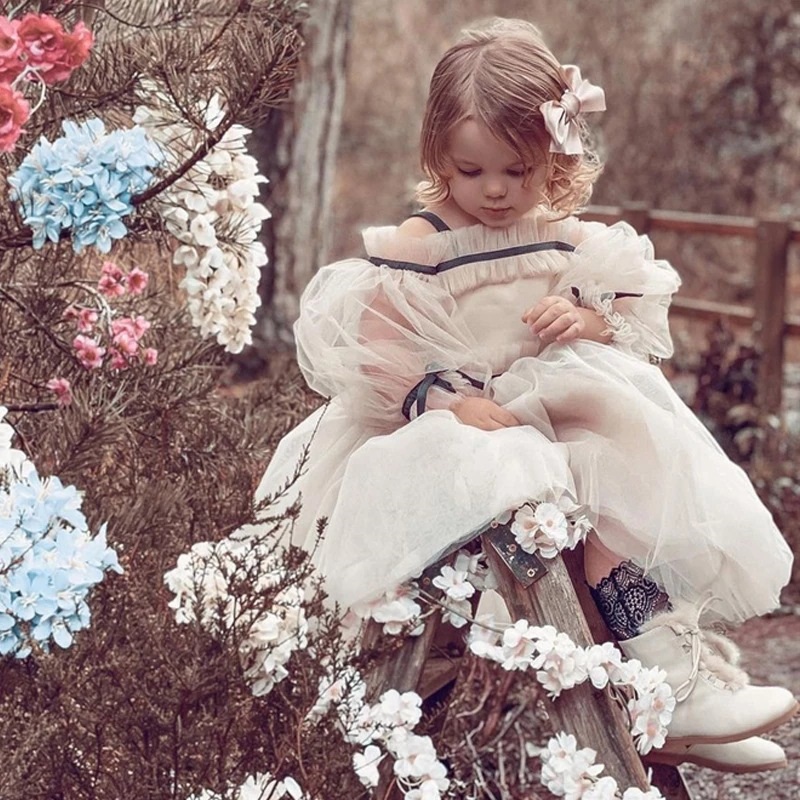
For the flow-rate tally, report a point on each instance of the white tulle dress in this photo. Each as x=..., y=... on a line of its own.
x=600, y=423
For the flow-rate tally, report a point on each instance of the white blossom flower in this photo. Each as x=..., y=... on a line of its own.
x=416, y=760
x=457, y=612
x=366, y=765
x=519, y=645
x=201, y=583
x=543, y=529
x=604, y=788
x=602, y=660
x=483, y=641
x=259, y=787
x=203, y=231
x=563, y=763
x=480, y=576
x=398, y=710
x=396, y=610
x=651, y=713
x=213, y=206
x=454, y=583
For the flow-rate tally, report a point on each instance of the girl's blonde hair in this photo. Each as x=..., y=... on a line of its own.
x=499, y=73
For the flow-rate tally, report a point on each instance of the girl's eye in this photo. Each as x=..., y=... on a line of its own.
x=470, y=173
x=519, y=173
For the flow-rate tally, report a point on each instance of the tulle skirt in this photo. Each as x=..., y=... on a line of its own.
x=597, y=425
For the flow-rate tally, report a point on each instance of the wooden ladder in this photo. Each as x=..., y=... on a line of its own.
x=561, y=598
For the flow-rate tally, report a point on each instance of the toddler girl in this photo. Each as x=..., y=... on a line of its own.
x=494, y=350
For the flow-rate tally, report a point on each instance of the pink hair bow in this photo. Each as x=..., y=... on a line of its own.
x=560, y=116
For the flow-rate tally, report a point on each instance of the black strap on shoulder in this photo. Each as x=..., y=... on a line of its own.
x=434, y=220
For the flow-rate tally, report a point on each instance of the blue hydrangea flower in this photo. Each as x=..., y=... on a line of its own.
x=84, y=182
x=49, y=562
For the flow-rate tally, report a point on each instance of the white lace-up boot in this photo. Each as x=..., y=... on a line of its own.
x=748, y=755
x=715, y=704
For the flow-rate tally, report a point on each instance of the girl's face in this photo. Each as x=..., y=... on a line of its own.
x=488, y=182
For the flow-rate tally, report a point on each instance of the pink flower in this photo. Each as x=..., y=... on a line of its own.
x=62, y=389
x=118, y=360
x=112, y=280
x=135, y=327
x=150, y=356
x=71, y=313
x=49, y=49
x=137, y=280
x=76, y=50
x=10, y=49
x=43, y=40
x=90, y=354
x=87, y=319
x=14, y=113
x=126, y=343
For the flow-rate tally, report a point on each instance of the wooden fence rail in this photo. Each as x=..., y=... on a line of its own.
x=767, y=315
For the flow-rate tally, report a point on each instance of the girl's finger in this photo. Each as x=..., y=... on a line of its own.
x=547, y=318
x=533, y=313
x=557, y=327
x=491, y=424
x=504, y=417
x=570, y=333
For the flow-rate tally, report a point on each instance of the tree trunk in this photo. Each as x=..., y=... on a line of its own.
x=297, y=152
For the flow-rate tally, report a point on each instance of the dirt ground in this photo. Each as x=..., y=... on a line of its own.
x=771, y=654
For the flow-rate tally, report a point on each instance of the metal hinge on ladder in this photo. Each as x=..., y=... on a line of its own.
x=526, y=567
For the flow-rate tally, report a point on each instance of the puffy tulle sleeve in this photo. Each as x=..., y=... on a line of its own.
x=613, y=271
x=380, y=339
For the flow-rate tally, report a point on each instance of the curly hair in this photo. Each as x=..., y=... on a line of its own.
x=499, y=73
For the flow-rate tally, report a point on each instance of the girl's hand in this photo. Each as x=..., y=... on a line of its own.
x=480, y=412
x=555, y=319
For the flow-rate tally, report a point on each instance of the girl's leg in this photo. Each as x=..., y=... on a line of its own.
x=717, y=711
x=598, y=560
x=625, y=596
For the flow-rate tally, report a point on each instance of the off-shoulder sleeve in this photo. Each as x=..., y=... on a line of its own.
x=613, y=271
x=370, y=334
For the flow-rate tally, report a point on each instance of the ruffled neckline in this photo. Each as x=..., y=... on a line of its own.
x=385, y=242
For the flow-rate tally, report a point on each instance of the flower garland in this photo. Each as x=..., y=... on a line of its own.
x=83, y=182
x=561, y=664
x=212, y=211
x=387, y=724
x=572, y=774
x=49, y=561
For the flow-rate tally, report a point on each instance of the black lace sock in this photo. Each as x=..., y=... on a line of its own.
x=627, y=599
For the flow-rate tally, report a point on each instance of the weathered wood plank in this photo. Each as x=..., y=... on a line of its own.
x=403, y=668
x=772, y=247
x=682, y=222
x=591, y=716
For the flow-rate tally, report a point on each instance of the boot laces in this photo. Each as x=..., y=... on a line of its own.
x=694, y=637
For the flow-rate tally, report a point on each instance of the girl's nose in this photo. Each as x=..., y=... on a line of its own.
x=494, y=187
